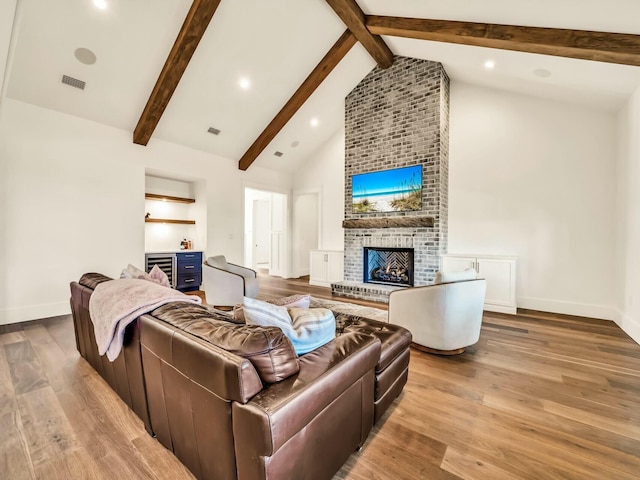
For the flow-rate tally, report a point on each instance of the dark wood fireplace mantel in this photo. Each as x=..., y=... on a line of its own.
x=389, y=222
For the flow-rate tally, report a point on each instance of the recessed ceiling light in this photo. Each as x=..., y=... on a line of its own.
x=314, y=122
x=295, y=143
x=542, y=73
x=244, y=83
x=101, y=4
x=489, y=64
x=86, y=56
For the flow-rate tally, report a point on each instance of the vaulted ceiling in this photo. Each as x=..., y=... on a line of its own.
x=286, y=46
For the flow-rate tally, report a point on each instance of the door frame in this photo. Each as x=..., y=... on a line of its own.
x=294, y=241
x=286, y=270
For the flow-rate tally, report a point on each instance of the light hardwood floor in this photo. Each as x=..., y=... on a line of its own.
x=540, y=396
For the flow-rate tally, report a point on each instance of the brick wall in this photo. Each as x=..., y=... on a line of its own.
x=398, y=117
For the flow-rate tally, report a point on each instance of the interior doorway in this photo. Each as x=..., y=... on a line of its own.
x=306, y=230
x=265, y=222
x=261, y=243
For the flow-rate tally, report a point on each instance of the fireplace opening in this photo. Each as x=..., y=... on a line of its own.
x=389, y=266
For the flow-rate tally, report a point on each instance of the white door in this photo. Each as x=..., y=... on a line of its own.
x=318, y=267
x=278, y=226
x=500, y=280
x=261, y=233
x=457, y=264
x=305, y=230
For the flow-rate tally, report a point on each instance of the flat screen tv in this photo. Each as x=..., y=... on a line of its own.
x=397, y=190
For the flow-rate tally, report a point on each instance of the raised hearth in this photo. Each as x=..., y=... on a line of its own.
x=364, y=291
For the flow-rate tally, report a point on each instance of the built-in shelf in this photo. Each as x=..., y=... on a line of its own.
x=168, y=198
x=167, y=220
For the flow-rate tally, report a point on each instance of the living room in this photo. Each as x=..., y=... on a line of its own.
x=538, y=169
x=577, y=202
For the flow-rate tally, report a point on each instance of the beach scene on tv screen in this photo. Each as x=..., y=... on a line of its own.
x=397, y=190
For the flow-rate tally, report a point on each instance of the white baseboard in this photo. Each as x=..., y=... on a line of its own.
x=629, y=325
x=604, y=312
x=33, y=312
x=302, y=272
x=499, y=308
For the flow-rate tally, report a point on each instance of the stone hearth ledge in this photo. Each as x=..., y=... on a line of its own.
x=364, y=291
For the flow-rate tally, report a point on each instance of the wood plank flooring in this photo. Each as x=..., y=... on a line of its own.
x=540, y=396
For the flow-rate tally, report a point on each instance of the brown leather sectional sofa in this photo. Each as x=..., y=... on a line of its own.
x=233, y=401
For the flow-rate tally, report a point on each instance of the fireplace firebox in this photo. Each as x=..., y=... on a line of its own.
x=389, y=266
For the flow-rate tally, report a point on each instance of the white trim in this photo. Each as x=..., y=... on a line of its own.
x=604, y=312
x=11, y=51
x=33, y=312
x=630, y=326
x=499, y=308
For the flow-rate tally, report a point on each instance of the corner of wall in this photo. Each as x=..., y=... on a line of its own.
x=629, y=325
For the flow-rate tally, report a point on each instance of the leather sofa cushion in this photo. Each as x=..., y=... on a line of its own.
x=267, y=348
x=394, y=338
x=278, y=412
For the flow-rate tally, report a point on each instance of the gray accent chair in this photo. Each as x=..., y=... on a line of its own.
x=225, y=284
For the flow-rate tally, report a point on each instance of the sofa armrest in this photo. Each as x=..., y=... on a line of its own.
x=281, y=410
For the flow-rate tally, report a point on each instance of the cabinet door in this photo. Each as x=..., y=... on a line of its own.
x=335, y=267
x=457, y=264
x=501, y=282
x=318, y=266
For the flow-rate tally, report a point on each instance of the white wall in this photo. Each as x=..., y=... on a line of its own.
x=324, y=172
x=72, y=201
x=536, y=179
x=628, y=218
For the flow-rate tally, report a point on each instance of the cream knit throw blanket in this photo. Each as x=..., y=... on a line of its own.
x=115, y=304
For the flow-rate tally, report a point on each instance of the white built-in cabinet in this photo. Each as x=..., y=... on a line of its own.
x=326, y=267
x=500, y=273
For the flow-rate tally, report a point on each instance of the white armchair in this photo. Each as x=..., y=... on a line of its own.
x=443, y=318
x=225, y=284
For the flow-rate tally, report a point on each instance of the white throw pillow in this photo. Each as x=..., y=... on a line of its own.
x=448, y=277
x=307, y=328
x=257, y=312
x=292, y=301
x=313, y=328
x=156, y=275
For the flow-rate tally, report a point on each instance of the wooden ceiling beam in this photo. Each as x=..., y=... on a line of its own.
x=354, y=18
x=586, y=45
x=315, y=78
x=193, y=28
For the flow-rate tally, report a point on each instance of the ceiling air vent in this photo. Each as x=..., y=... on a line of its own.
x=214, y=131
x=74, y=82
x=278, y=154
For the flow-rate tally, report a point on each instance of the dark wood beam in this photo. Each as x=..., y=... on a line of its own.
x=354, y=18
x=586, y=45
x=315, y=78
x=193, y=28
